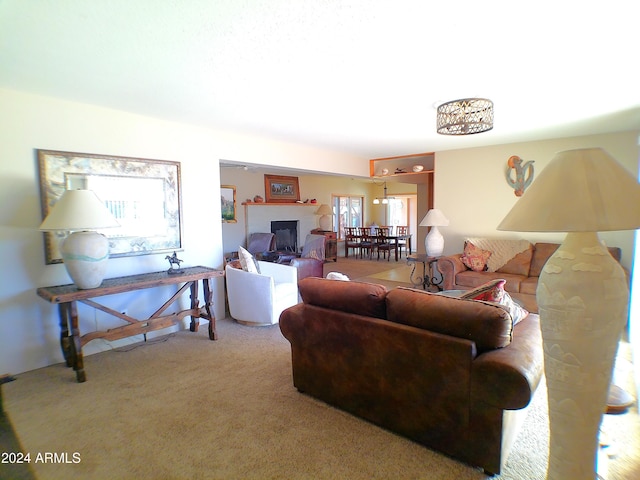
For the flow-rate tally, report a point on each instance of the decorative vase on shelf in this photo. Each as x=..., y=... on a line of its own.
x=258, y=199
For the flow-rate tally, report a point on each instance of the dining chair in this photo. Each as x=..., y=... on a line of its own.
x=367, y=241
x=402, y=231
x=351, y=241
x=384, y=243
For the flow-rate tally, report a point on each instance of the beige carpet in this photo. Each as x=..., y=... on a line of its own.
x=183, y=407
x=191, y=408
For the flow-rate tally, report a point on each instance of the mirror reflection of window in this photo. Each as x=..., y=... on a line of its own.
x=137, y=202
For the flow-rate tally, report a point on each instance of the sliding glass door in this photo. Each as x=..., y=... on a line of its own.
x=347, y=212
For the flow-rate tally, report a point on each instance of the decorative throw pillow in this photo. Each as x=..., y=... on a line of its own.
x=475, y=258
x=247, y=261
x=494, y=292
x=491, y=291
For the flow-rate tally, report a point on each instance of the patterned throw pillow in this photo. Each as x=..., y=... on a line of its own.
x=475, y=258
x=494, y=292
x=247, y=261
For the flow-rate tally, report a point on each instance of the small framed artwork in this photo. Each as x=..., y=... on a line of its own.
x=281, y=189
x=228, y=199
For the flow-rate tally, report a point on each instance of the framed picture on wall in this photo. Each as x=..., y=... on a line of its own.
x=142, y=194
x=281, y=189
x=228, y=199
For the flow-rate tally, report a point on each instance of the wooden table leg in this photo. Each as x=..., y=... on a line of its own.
x=208, y=303
x=65, y=340
x=76, y=344
x=195, y=321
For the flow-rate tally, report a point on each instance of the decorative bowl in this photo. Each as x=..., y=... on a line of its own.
x=417, y=168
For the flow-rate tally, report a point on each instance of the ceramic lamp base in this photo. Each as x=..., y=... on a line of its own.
x=325, y=222
x=85, y=256
x=582, y=298
x=434, y=243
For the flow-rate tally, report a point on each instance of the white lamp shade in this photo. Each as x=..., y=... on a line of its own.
x=434, y=218
x=325, y=213
x=78, y=210
x=583, y=190
x=324, y=209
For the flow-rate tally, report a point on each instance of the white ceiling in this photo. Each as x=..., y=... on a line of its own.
x=358, y=75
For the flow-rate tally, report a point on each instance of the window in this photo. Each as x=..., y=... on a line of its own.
x=347, y=212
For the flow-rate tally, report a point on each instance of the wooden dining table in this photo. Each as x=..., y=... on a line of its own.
x=391, y=238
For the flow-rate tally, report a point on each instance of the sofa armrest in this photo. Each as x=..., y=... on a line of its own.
x=508, y=377
x=449, y=267
x=308, y=267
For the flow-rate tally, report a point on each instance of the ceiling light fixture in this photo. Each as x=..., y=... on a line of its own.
x=384, y=200
x=465, y=116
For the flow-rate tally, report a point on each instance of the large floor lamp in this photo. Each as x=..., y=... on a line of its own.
x=582, y=295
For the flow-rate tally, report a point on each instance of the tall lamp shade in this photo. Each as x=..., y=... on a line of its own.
x=325, y=213
x=434, y=241
x=582, y=295
x=84, y=251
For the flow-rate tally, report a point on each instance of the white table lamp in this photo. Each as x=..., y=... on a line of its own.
x=582, y=295
x=434, y=241
x=84, y=252
x=325, y=213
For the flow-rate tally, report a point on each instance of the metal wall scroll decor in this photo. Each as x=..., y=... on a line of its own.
x=519, y=176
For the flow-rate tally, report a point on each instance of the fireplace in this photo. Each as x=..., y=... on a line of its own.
x=286, y=232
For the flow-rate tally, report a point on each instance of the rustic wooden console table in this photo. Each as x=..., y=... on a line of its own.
x=66, y=297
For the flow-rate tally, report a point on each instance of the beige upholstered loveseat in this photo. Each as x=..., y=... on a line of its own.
x=521, y=271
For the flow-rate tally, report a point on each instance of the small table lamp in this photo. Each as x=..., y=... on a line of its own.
x=434, y=241
x=582, y=295
x=84, y=252
x=325, y=213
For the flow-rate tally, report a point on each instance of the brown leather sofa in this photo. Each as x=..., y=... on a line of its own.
x=521, y=273
x=451, y=374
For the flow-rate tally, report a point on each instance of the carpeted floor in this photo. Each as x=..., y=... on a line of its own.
x=185, y=407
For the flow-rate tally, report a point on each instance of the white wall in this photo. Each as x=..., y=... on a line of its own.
x=29, y=332
x=472, y=191
x=321, y=187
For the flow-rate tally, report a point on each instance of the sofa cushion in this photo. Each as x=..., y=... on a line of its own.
x=350, y=297
x=470, y=279
x=543, y=251
x=529, y=285
x=541, y=254
x=488, y=325
x=494, y=292
x=520, y=264
x=474, y=257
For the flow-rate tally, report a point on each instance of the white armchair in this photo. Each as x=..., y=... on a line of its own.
x=259, y=298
